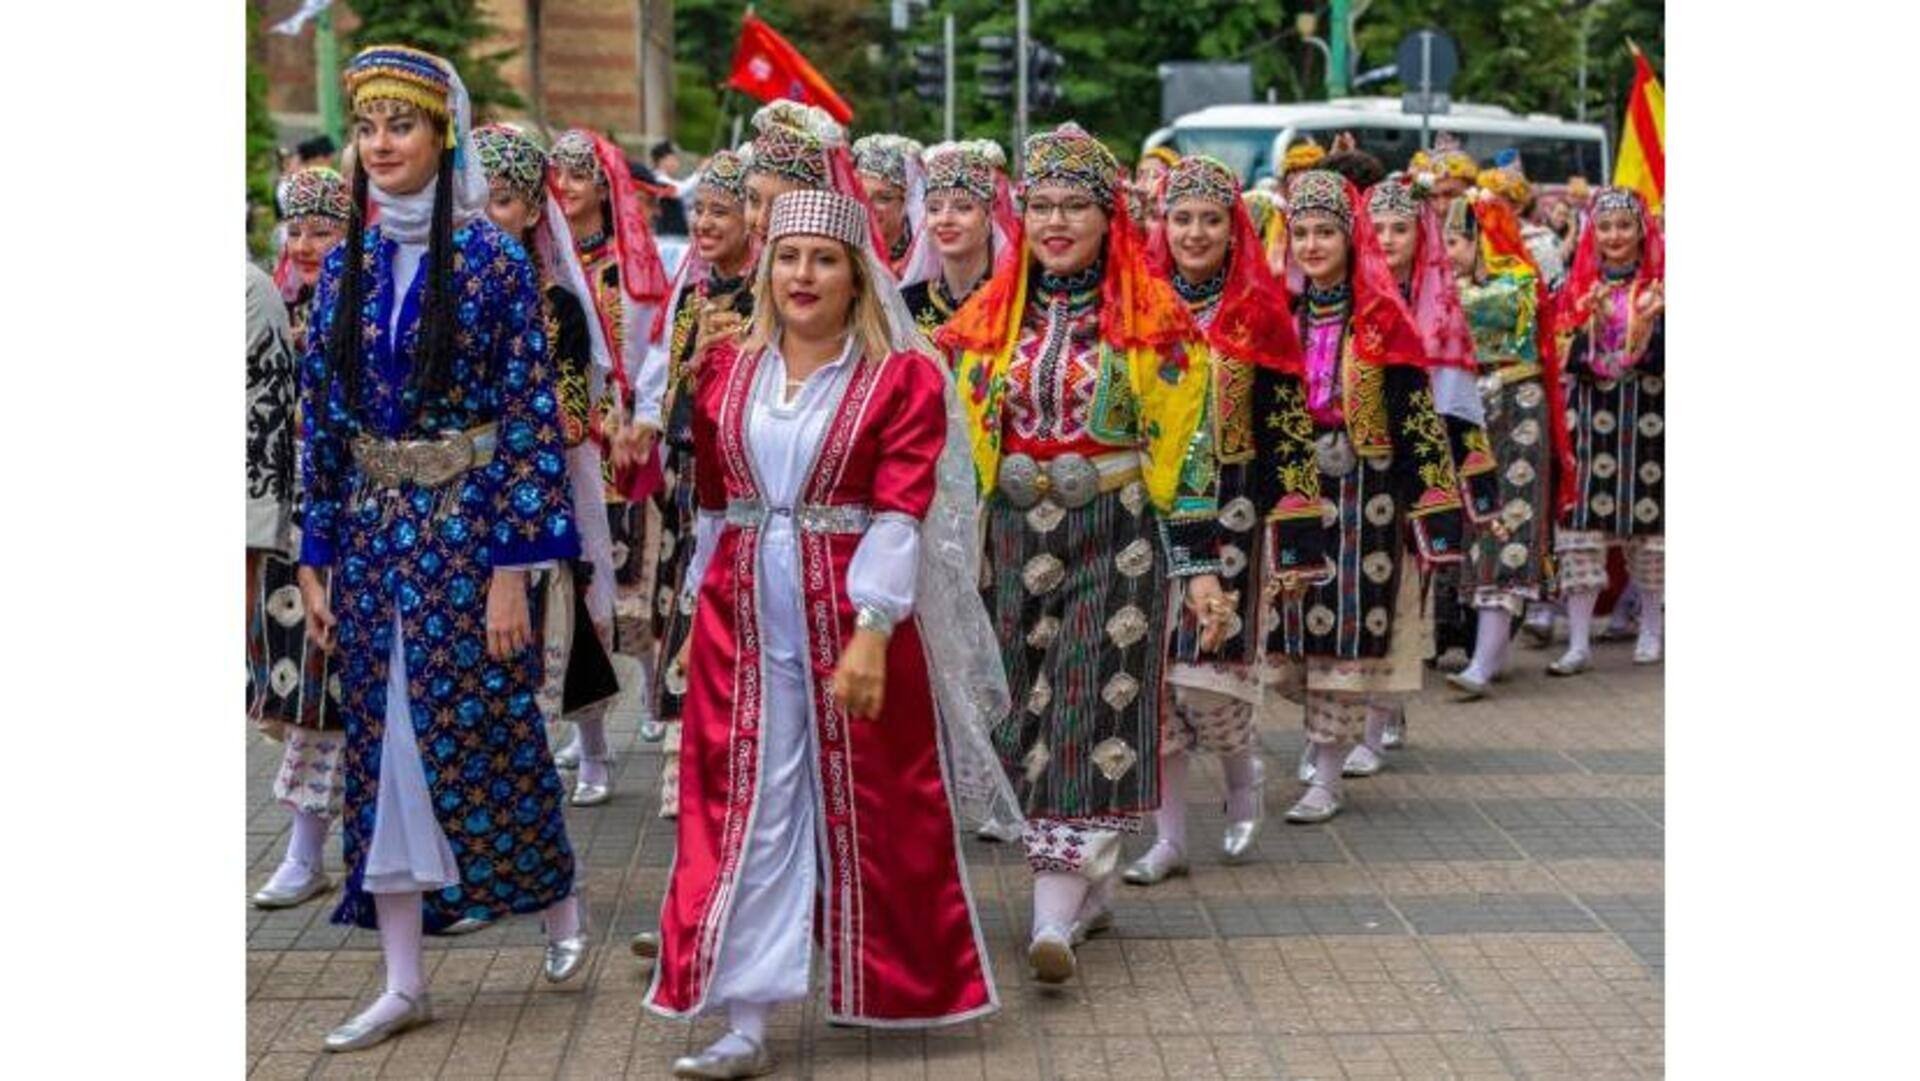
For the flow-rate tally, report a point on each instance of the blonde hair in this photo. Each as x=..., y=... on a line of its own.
x=867, y=319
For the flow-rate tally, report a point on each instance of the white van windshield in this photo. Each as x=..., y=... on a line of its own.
x=1249, y=151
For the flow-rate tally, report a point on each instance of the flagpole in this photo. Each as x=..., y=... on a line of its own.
x=326, y=73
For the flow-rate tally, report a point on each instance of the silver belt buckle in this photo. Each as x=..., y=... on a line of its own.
x=1334, y=454
x=1076, y=481
x=1019, y=480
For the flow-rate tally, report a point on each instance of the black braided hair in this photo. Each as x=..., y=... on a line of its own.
x=343, y=346
x=434, y=372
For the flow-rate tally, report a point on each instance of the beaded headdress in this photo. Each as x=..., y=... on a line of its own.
x=399, y=73
x=512, y=159
x=1392, y=198
x=317, y=192
x=1302, y=155
x=725, y=175
x=1318, y=191
x=574, y=150
x=1068, y=155
x=792, y=140
x=1202, y=177
x=885, y=156
x=967, y=166
x=818, y=213
x=1610, y=198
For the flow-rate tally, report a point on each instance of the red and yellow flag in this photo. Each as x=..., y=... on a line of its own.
x=1642, y=164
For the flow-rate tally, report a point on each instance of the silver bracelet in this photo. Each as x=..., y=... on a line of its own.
x=869, y=618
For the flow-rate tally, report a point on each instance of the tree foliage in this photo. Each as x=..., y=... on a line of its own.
x=261, y=136
x=450, y=28
x=1523, y=54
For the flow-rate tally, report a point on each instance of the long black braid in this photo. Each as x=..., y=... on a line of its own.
x=343, y=346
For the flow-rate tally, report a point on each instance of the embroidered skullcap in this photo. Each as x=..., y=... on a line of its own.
x=967, y=166
x=725, y=175
x=1068, y=155
x=574, y=151
x=1507, y=184
x=400, y=73
x=818, y=212
x=1302, y=155
x=316, y=192
x=885, y=156
x=1609, y=199
x=792, y=140
x=1393, y=198
x=1202, y=177
x=1318, y=191
x=512, y=159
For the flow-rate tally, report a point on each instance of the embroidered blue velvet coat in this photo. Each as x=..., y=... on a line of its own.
x=428, y=556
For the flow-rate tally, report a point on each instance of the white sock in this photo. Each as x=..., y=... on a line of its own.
x=1580, y=622
x=1170, y=821
x=399, y=917
x=1379, y=715
x=563, y=918
x=592, y=734
x=1489, y=648
x=749, y=1019
x=1653, y=616
x=1329, y=759
x=305, y=845
x=572, y=747
x=1056, y=898
x=1243, y=793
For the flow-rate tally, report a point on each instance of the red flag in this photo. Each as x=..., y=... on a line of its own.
x=766, y=66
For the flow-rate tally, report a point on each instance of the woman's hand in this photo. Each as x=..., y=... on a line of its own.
x=860, y=679
x=509, y=630
x=1211, y=607
x=320, y=618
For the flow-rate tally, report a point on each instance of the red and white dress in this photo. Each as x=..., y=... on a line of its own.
x=800, y=824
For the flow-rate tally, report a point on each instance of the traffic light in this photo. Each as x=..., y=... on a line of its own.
x=1043, y=73
x=996, y=70
x=930, y=73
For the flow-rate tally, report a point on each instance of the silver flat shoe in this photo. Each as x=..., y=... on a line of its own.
x=1051, y=955
x=1361, y=762
x=565, y=958
x=1645, y=652
x=652, y=731
x=1150, y=870
x=646, y=945
x=1570, y=664
x=1470, y=688
x=590, y=795
x=567, y=757
x=712, y=1065
x=268, y=897
x=1237, y=840
x=357, y=1034
x=1307, y=814
x=1394, y=736
x=466, y=925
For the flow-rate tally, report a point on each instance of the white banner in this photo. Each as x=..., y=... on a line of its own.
x=299, y=19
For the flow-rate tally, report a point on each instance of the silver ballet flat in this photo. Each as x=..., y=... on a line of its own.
x=1362, y=762
x=565, y=958
x=591, y=795
x=268, y=897
x=1649, y=652
x=1237, y=840
x=1150, y=870
x=466, y=925
x=1470, y=688
x=1570, y=664
x=1050, y=954
x=1307, y=814
x=566, y=758
x=712, y=1065
x=653, y=731
x=358, y=1034
x=646, y=945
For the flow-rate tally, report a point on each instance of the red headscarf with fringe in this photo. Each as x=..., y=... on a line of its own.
x=1254, y=323
x=1381, y=327
x=1571, y=303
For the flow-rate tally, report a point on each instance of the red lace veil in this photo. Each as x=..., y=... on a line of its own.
x=1255, y=321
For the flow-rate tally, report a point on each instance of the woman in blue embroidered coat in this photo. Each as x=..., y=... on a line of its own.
x=434, y=478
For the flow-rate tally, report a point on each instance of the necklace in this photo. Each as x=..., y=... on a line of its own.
x=1192, y=292
x=592, y=241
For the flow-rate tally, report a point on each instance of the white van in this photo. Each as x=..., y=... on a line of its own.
x=1252, y=138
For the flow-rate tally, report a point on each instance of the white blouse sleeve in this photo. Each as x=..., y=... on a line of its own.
x=707, y=527
x=886, y=566
x=650, y=387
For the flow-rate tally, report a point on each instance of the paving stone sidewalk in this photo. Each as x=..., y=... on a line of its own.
x=1489, y=907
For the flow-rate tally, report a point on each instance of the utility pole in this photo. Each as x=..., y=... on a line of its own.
x=1020, y=90
x=947, y=30
x=1339, y=30
x=326, y=77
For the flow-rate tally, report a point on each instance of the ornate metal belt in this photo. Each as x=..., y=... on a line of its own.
x=811, y=517
x=429, y=463
x=1071, y=480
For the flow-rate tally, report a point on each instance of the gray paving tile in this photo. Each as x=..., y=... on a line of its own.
x=1493, y=914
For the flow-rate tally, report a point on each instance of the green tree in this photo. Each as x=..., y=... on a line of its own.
x=262, y=153
x=450, y=28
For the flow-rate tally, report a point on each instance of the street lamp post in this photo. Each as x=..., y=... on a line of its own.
x=1338, y=30
x=326, y=77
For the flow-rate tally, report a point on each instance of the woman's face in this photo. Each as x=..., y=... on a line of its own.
x=1398, y=238
x=1460, y=252
x=889, y=205
x=1617, y=234
x=510, y=210
x=308, y=242
x=578, y=192
x=719, y=229
x=958, y=222
x=812, y=284
x=762, y=190
x=1320, y=247
x=1064, y=227
x=398, y=146
x=1197, y=231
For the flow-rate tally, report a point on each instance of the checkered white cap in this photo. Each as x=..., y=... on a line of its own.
x=819, y=213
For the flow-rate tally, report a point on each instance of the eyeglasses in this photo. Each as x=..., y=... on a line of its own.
x=1072, y=210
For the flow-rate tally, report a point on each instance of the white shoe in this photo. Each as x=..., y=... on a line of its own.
x=1571, y=663
x=1649, y=649
x=1309, y=811
x=1362, y=762
x=1470, y=688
